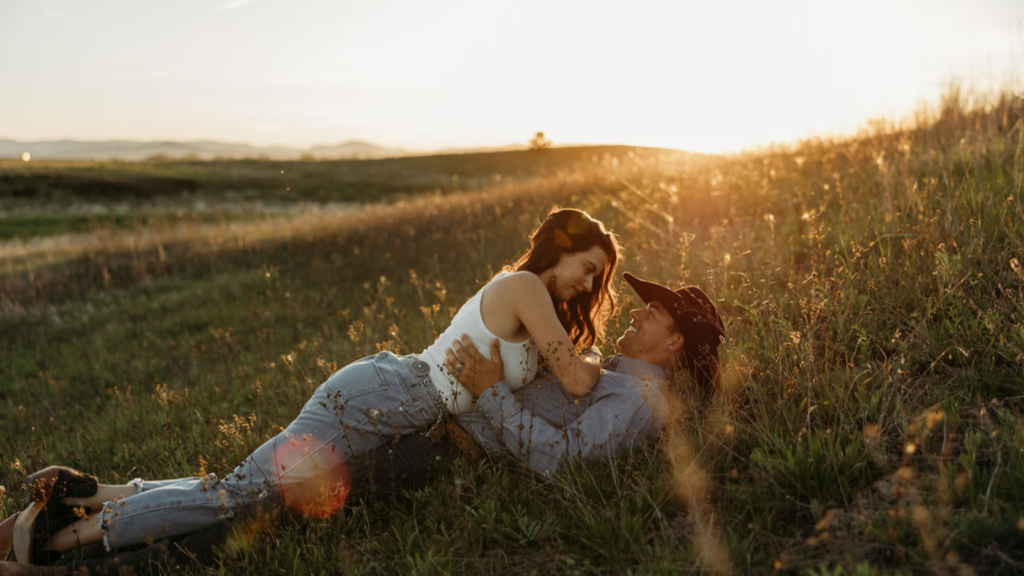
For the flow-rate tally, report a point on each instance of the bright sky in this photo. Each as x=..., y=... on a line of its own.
x=698, y=75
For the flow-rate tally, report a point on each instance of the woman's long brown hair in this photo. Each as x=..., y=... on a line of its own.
x=568, y=231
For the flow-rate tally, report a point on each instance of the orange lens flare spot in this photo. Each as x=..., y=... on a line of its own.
x=312, y=477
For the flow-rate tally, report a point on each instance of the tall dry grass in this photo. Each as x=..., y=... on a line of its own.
x=872, y=291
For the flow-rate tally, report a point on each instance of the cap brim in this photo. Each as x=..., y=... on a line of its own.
x=673, y=301
x=651, y=292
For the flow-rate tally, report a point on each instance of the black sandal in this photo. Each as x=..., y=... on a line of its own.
x=48, y=513
x=10, y=545
x=60, y=482
x=22, y=540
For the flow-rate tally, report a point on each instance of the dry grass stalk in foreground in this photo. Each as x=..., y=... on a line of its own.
x=867, y=283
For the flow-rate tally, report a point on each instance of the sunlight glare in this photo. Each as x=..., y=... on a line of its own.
x=312, y=476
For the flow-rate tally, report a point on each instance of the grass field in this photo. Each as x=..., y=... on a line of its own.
x=164, y=319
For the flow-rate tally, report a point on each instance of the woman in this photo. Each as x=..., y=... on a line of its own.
x=553, y=302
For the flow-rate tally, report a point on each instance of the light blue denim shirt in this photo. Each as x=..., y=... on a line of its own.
x=543, y=426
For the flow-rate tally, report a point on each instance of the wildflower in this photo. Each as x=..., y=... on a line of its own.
x=1016, y=267
x=825, y=522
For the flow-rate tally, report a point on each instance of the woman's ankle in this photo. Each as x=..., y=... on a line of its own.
x=105, y=493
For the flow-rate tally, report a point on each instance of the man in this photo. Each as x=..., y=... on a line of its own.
x=541, y=425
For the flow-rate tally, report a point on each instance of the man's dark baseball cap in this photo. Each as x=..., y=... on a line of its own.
x=691, y=309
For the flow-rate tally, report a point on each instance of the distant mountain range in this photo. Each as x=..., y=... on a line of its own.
x=202, y=150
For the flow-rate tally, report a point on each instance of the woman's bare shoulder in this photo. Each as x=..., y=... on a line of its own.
x=515, y=283
x=507, y=299
x=519, y=289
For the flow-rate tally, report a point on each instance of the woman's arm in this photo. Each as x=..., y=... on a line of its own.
x=530, y=302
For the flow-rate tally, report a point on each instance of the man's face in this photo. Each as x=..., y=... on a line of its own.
x=650, y=334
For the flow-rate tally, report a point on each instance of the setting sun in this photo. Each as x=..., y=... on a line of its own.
x=422, y=76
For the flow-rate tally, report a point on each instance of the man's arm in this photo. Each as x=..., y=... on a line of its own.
x=606, y=428
x=609, y=425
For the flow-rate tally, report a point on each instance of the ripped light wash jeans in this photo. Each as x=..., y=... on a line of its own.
x=374, y=400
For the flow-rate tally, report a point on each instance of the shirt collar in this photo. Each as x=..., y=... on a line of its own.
x=637, y=368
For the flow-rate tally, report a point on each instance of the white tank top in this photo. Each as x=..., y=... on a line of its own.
x=520, y=358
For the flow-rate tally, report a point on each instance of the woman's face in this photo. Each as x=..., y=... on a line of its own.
x=577, y=272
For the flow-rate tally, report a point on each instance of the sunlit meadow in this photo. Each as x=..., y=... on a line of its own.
x=163, y=319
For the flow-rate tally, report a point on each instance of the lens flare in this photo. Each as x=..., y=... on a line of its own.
x=312, y=476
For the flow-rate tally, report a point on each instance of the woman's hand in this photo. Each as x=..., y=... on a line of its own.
x=475, y=372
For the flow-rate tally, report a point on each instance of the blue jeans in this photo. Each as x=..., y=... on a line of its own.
x=361, y=406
